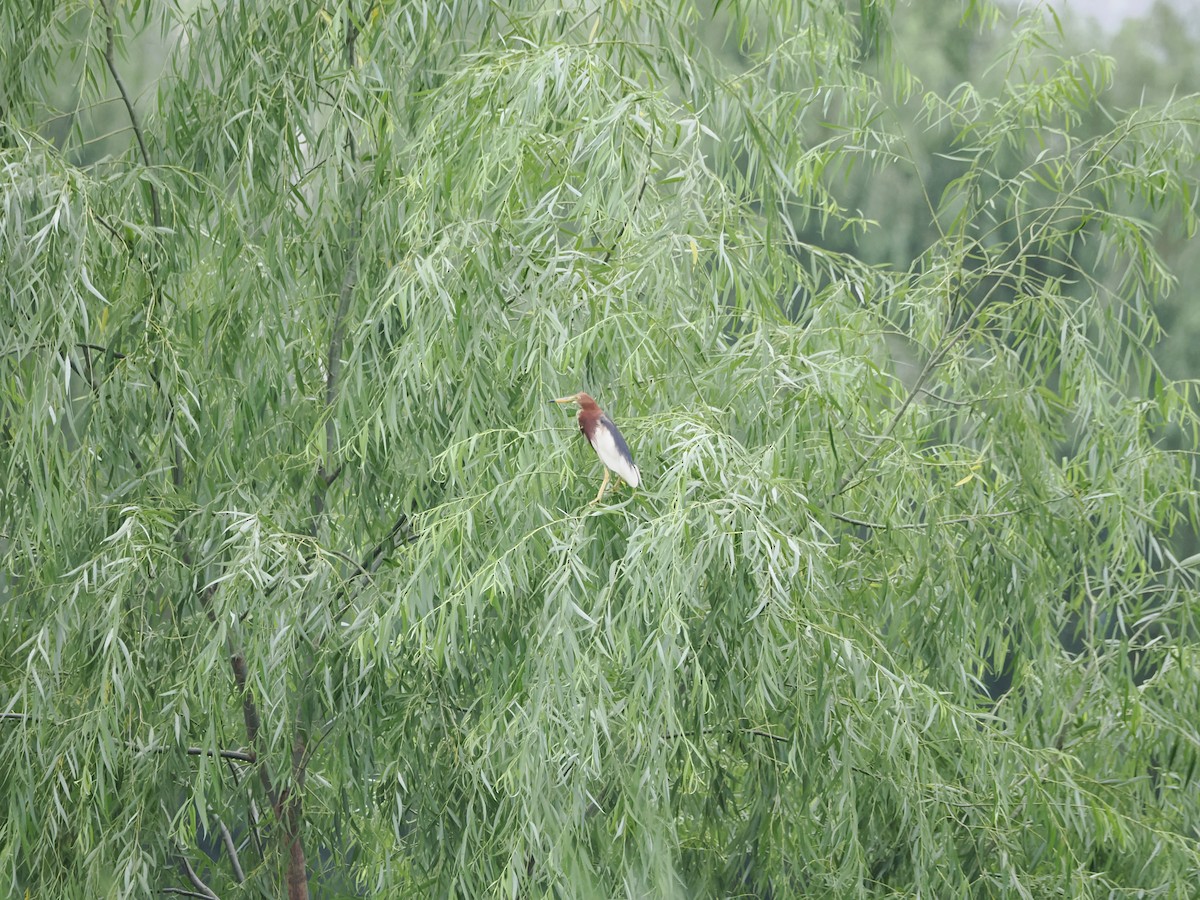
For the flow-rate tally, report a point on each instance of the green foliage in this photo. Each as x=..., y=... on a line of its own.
x=298, y=552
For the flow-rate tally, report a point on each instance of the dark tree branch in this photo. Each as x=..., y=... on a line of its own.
x=110, y=60
x=297, y=871
x=753, y=732
x=402, y=533
x=180, y=892
x=245, y=756
x=253, y=726
x=100, y=348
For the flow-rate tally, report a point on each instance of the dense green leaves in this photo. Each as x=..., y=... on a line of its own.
x=301, y=581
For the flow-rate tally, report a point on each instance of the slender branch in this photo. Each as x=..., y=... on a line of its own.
x=231, y=849
x=759, y=732
x=245, y=756
x=402, y=533
x=253, y=725
x=125, y=242
x=947, y=400
x=110, y=60
x=196, y=880
x=850, y=520
x=254, y=820
x=636, y=203
x=351, y=36
x=100, y=348
x=1089, y=679
x=180, y=892
x=333, y=362
x=932, y=363
x=351, y=62
x=753, y=732
x=937, y=523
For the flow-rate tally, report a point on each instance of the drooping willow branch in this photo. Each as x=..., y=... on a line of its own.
x=941, y=523
x=637, y=202
x=1036, y=231
x=135, y=123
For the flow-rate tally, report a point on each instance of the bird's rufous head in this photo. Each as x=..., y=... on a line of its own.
x=584, y=400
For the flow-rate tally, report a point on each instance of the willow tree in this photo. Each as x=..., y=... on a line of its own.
x=302, y=586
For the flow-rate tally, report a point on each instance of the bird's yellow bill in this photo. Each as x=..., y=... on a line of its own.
x=570, y=399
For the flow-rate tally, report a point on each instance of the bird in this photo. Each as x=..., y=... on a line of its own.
x=606, y=439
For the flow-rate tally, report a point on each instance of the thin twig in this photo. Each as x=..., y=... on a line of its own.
x=231, y=849
x=947, y=400
x=197, y=882
x=850, y=520
x=333, y=362
x=246, y=756
x=100, y=348
x=110, y=60
x=753, y=732
x=351, y=62
x=636, y=203
x=402, y=533
x=953, y=520
x=254, y=820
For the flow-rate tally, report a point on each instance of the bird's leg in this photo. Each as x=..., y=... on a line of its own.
x=603, y=485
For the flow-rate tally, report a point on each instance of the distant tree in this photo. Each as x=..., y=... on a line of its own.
x=301, y=588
